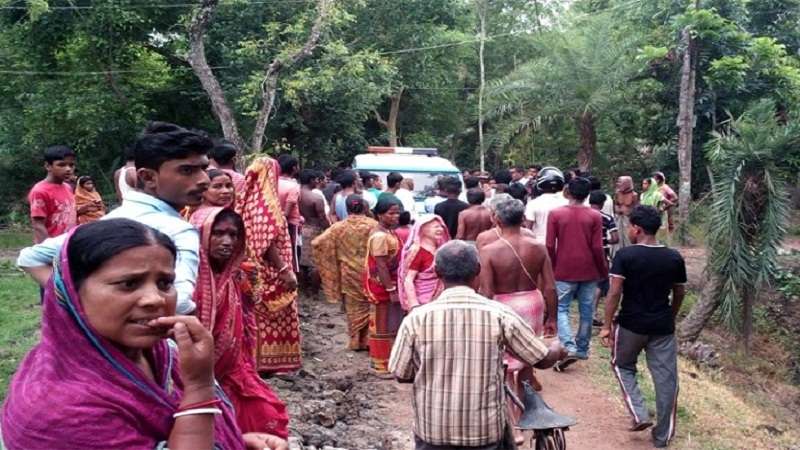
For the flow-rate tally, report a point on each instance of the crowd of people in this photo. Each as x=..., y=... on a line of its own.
x=161, y=317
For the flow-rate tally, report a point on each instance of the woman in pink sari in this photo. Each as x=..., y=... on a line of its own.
x=222, y=310
x=420, y=285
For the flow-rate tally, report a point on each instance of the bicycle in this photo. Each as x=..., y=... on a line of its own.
x=548, y=426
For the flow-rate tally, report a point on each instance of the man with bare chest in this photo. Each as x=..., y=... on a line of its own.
x=312, y=208
x=514, y=267
x=492, y=234
x=476, y=219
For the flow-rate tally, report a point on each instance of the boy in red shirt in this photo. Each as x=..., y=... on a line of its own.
x=575, y=244
x=51, y=200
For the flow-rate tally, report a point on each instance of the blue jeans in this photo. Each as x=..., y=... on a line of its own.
x=584, y=291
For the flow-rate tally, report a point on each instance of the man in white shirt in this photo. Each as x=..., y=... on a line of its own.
x=394, y=183
x=550, y=184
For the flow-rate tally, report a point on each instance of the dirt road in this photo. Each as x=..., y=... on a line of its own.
x=335, y=402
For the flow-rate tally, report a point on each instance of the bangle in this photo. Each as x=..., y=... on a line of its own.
x=283, y=269
x=206, y=404
x=191, y=412
x=392, y=289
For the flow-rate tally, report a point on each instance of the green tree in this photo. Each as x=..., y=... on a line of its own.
x=752, y=158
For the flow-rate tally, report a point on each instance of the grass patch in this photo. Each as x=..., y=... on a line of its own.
x=15, y=239
x=19, y=321
x=711, y=414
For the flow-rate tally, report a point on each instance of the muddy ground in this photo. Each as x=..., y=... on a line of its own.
x=334, y=401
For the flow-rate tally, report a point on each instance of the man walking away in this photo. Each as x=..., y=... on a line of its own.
x=451, y=349
x=449, y=209
x=644, y=274
x=476, y=219
x=575, y=245
x=597, y=201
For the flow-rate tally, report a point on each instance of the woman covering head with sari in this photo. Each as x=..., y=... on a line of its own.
x=651, y=194
x=339, y=255
x=221, y=309
x=88, y=203
x=104, y=375
x=273, y=287
x=380, y=283
x=420, y=284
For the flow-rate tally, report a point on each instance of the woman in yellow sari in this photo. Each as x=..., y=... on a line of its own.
x=380, y=282
x=88, y=202
x=273, y=286
x=339, y=255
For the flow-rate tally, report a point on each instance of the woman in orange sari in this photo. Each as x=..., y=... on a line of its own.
x=339, y=255
x=380, y=283
x=88, y=203
x=273, y=285
x=221, y=309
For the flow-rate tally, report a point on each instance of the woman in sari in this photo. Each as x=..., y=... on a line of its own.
x=273, y=287
x=221, y=310
x=380, y=283
x=220, y=193
x=625, y=199
x=420, y=284
x=339, y=255
x=88, y=203
x=104, y=375
x=651, y=195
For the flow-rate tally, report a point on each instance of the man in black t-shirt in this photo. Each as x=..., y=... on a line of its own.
x=644, y=275
x=449, y=209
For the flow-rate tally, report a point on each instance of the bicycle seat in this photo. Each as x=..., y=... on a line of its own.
x=538, y=415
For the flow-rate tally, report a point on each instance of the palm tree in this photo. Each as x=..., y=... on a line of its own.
x=580, y=74
x=752, y=161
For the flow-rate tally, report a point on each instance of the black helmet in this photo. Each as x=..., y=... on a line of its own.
x=550, y=180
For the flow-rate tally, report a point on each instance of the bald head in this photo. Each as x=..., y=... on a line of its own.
x=457, y=263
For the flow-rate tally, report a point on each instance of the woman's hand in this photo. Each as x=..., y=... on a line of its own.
x=264, y=441
x=288, y=279
x=196, y=349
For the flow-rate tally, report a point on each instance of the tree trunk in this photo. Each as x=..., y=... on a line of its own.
x=748, y=298
x=686, y=126
x=197, y=59
x=692, y=325
x=482, y=87
x=390, y=124
x=588, y=134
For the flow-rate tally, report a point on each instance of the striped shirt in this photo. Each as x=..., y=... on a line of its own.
x=453, y=349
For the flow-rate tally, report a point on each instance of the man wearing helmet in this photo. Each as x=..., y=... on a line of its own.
x=550, y=184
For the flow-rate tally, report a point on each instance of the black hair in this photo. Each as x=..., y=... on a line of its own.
x=647, y=218
x=519, y=169
x=579, y=188
x=476, y=196
x=223, y=151
x=597, y=197
x=129, y=152
x=287, y=163
x=93, y=244
x=355, y=204
x=471, y=182
x=347, y=179
x=659, y=177
x=538, y=167
x=57, y=153
x=214, y=173
x=502, y=176
x=84, y=179
x=595, y=183
x=308, y=175
x=366, y=176
x=451, y=185
x=405, y=218
x=229, y=214
x=393, y=179
x=518, y=191
x=161, y=142
x=385, y=203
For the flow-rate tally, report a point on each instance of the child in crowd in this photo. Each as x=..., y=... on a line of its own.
x=51, y=201
x=88, y=202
